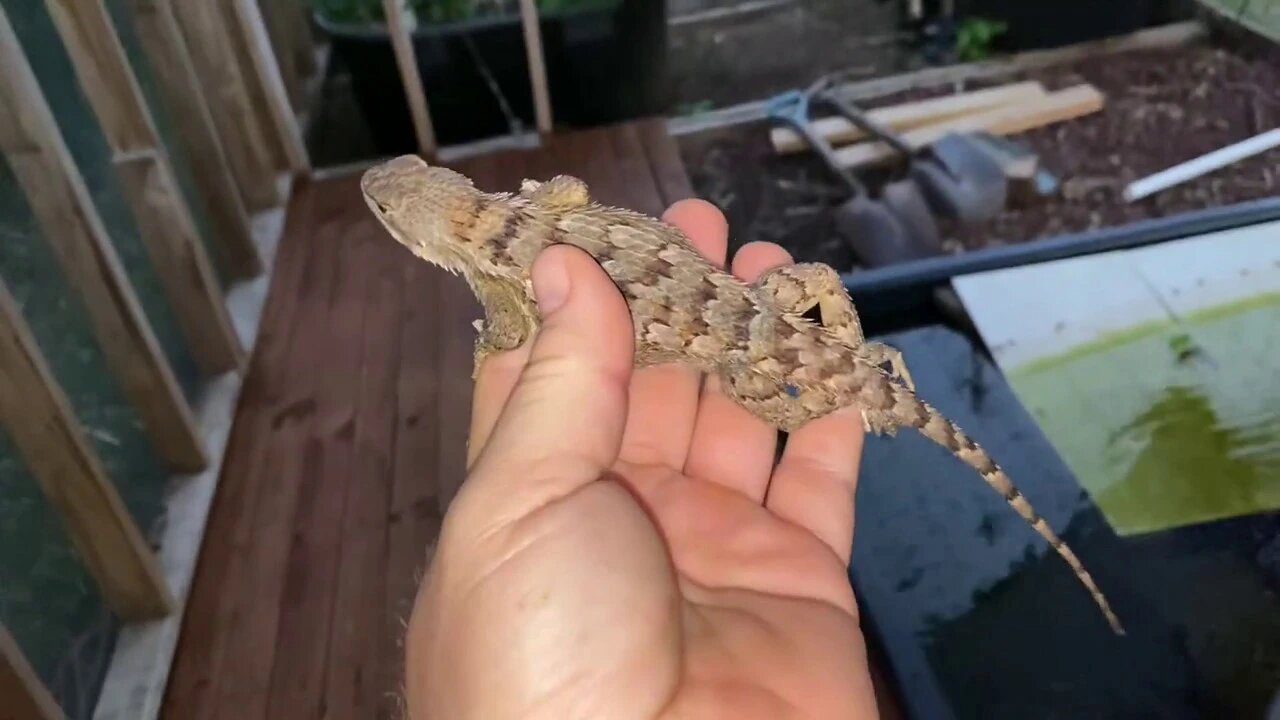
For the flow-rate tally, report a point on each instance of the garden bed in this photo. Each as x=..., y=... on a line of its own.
x=1163, y=106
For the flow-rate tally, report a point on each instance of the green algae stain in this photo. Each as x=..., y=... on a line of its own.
x=1169, y=424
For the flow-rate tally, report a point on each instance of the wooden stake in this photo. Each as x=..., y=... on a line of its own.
x=69, y=221
x=406, y=60
x=43, y=426
x=159, y=208
x=22, y=695
x=161, y=40
x=253, y=27
x=537, y=64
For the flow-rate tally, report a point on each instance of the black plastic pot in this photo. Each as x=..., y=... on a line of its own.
x=1034, y=24
x=603, y=65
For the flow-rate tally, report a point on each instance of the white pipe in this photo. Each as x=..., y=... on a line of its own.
x=1196, y=167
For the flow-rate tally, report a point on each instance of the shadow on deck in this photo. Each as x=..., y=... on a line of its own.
x=348, y=443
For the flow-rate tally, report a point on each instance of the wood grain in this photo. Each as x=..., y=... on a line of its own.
x=44, y=428
x=247, y=147
x=171, y=64
x=70, y=223
x=163, y=217
x=22, y=695
x=252, y=29
x=1059, y=106
x=407, y=62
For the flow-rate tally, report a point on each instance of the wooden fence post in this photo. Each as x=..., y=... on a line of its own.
x=537, y=65
x=141, y=163
x=252, y=27
x=42, y=425
x=22, y=695
x=40, y=160
x=402, y=45
x=229, y=223
x=248, y=150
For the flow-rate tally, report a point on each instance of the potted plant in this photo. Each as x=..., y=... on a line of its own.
x=605, y=60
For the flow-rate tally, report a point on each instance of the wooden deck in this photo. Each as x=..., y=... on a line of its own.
x=348, y=444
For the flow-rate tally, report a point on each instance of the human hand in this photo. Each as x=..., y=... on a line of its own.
x=623, y=545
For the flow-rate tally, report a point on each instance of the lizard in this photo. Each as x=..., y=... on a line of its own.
x=772, y=358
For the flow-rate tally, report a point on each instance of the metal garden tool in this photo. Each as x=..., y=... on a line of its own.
x=896, y=227
x=958, y=176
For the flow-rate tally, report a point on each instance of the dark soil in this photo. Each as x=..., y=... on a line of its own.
x=1163, y=107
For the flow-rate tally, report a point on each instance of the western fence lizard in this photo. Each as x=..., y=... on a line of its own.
x=778, y=364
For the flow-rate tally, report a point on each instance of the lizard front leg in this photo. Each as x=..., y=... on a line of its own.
x=510, y=318
x=796, y=289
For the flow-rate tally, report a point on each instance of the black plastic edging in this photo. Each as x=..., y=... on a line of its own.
x=900, y=296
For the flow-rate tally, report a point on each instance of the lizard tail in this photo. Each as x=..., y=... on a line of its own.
x=933, y=425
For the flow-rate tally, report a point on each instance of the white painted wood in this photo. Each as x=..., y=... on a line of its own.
x=139, y=669
x=1207, y=163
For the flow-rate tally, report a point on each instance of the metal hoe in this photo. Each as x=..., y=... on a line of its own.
x=896, y=228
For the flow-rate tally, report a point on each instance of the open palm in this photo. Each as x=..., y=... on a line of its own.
x=625, y=546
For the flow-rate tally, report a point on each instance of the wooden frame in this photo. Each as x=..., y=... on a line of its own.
x=30, y=141
x=161, y=40
x=163, y=216
x=248, y=149
x=253, y=28
x=22, y=695
x=406, y=60
x=42, y=425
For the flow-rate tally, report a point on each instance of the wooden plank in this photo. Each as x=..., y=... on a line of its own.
x=271, y=414
x=406, y=61
x=839, y=131
x=161, y=40
x=267, y=70
x=1055, y=107
x=253, y=84
x=44, y=428
x=537, y=65
x=162, y=214
x=357, y=670
x=22, y=695
x=1172, y=35
x=70, y=223
x=248, y=150
x=277, y=15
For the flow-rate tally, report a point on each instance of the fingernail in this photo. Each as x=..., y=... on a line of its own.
x=550, y=284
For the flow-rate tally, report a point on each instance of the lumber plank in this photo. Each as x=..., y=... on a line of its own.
x=70, y=223
x=277, y=16
x=907, y=116
x=270, y=416
x=665, y=162
x=39, y=419
x=248, y=149
x=254, y=84
x=1055, y=107
x=266, y=69
x=537, y=65
x=407, y=62
x=163, y=216
x=170, y=61
x=22, y=695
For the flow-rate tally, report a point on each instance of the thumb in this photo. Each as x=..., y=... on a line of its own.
x=562, y=425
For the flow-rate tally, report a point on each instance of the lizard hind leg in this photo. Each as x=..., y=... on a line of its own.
x=562, y=192
x=797, y=289
x=510, y=318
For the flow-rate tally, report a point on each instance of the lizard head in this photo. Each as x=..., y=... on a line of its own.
x=416, y=202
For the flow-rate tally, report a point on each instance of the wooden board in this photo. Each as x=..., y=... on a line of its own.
x=410, y=78
x=39, y=419
x=170, y=62
x=1055, y=107
x=900, y=118
x=242, y=135
x=70, y=223
x=159, y=208
x=1153, y=371
x=22, y=695
x=251, y=26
